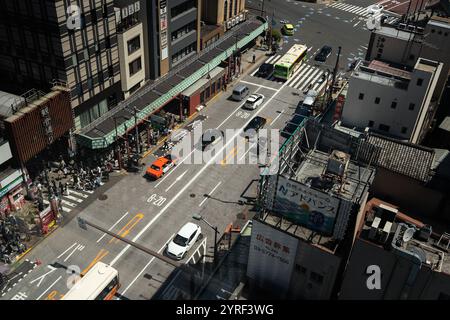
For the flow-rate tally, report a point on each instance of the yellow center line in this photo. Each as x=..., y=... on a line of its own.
x=102, y=253
x=128, y=227
x=232, y=153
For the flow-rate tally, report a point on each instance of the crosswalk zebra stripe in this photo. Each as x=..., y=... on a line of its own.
x=346, y=7
x=302, y=78
x=89, y=191
x=357, y=10
x=338, y=5
x=276, y=60
x=302, y=70
x=361, y=11
x=272, y=58
x=70, y=204
x=315, y=78
x=309, y=80
x=322, y=85
x=66, y=209
x=77, y=193
x=73, y=198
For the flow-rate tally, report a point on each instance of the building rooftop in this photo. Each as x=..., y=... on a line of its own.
x=382, y=73
x=351, y=188
x=9, y=103
x=386, y=226
x=405, y=158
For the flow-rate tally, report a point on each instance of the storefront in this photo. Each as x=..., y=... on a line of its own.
x=11, y=197
x=203, y=90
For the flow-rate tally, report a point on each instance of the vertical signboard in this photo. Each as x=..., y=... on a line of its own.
x=271, y=256
x=163, y=28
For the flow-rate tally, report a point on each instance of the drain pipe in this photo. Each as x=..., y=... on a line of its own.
x=408, y=255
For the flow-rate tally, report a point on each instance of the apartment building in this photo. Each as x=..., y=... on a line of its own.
x=404, y=43
x=219, y=16
x=45, y=40
x=392, y=101
x=397, y=257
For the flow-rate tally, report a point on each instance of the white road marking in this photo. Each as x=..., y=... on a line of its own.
x=198, y=174
x=115, y=224
x=52, y=269
x=70, y=204
x=66, y=209
x=78, y=193
x=356, y=23
x=212, y=191
x=146, y=266
x=276, y=118
x=176, y=180
x=49, y=288
x=78, y=247
x=66, y=250
x=250, y=148
x=258, y=85
x=73, y=198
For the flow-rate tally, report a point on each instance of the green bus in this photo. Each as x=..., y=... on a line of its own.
x=289, y=63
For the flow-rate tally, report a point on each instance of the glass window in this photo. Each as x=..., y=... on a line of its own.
x=107, y=289
x=377, y=100
x=383, y=127
x=85, y=119
x=361, y=96
x=94, y=112
x=134, y=44
x=103, y=107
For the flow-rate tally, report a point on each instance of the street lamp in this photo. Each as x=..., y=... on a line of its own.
x=216, y=232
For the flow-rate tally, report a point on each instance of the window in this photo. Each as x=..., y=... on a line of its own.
x=377, y=100
x=411, y=106
x=90, y=83
x=370, y=124
x=74, y=60
x=134, y=44
x=110, y=71
x=317, y=278
x=135, y=66
x=404, y=130
x=225, y=5
x=419, y=82
x=86, y=54
x=183, y=7
x=183, y=52
x=383, y=127
x=184, y=30
x=393, y=105
x=94, y=16
x=105, y=11
x=300, y=268
x=107, y=42
x=361, y=96
x=79, y=89
x=100, y=77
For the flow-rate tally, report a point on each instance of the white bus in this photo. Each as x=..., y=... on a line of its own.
x=101, y=282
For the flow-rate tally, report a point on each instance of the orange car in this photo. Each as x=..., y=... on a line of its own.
x=159, y=167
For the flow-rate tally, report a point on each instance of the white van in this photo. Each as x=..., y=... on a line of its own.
x=240, y=92
x=310, y=98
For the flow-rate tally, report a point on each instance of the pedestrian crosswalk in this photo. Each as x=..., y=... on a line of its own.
x=72, y=199
x=306, y=77
x=361, y=11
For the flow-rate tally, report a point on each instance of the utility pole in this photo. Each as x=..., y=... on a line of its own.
x=334, y=76
x=137, y=131
x=82, y=223
x=119, y=156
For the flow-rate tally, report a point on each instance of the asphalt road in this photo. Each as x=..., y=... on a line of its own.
x=151, y=212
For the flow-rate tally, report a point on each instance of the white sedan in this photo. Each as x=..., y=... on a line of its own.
x=183, y=241
x=254, y=101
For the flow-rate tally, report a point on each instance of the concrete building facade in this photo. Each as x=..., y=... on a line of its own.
x=392, y=101
x=46, y=40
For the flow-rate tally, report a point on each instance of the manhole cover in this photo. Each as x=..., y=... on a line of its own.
x=103, y=197
x=192, y=195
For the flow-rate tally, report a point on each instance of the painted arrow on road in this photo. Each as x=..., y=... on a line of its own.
x=177, y=179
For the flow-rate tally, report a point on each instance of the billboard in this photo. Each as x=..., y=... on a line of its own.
x=271, y=256
x=304, y=206
x=163, y=28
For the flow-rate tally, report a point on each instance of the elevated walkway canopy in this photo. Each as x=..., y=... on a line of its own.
x=101, y=133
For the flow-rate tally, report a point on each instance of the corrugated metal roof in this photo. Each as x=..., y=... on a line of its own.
x=405, y=158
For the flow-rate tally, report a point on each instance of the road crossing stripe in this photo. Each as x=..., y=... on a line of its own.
x=303, y=68
x=70, y=204
x=301, y=79
x=316, y=77
x=276, y=60
x=309, y=80
x=73, y=198
x=66, y=209
x=77, y=193
x=273, y=58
